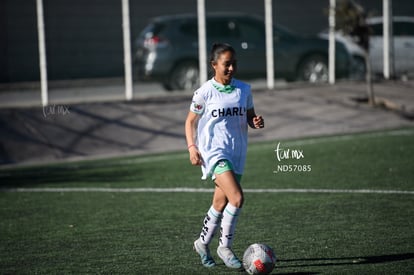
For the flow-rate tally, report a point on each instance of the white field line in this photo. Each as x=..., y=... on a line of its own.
x=197, y=190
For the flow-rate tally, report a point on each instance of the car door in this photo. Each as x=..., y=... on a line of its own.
x=252, y=47
x=246, y=39
x=222, y=30
x=376, y=48
x=404, y=46
x=288, y=51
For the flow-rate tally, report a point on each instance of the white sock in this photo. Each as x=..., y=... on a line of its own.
x=228, y=225
x=210, y=224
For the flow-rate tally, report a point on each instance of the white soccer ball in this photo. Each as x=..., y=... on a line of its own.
x=259, y=259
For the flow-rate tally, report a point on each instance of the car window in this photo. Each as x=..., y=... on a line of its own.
x=282, y=33
x=189, y=28
x=403, y=29
x=376, y=29
x=222, y=28
x=251, y=31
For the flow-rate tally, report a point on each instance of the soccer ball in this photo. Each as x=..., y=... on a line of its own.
x=259, y=259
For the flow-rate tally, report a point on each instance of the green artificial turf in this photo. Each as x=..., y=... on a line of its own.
x=152, y=232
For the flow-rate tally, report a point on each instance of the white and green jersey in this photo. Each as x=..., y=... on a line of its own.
x=222, y=127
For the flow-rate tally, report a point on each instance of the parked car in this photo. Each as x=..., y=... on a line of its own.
x=403, y=35
x=167, y=50
x=403, y=32
x=357, y=65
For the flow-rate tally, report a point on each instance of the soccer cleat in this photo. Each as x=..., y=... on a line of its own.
x=228, y=257
x=204, y=252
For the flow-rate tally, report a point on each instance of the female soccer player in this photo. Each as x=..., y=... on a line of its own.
x=221, y=109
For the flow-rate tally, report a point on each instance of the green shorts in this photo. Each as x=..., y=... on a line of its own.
x=223, y=166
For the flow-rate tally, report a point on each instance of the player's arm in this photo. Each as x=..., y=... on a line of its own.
x=254, y=120
x=190, y=134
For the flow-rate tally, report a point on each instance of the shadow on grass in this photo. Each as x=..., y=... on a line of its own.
x=67, y=174
x=343, y=261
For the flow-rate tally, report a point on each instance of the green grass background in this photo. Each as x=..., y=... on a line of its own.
x=152, y=233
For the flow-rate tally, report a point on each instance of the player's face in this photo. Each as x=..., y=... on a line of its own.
x=225, y=67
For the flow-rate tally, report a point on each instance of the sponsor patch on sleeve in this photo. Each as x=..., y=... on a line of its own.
x=197, y=108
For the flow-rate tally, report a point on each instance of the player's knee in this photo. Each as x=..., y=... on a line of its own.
x=219, y=204
x=237, y=200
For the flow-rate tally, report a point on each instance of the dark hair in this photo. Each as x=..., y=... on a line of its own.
x=218, y=48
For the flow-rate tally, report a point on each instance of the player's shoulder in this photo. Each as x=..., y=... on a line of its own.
x=204, y=90
x=241, y=84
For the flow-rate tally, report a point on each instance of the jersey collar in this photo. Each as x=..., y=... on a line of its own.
x=226, y=89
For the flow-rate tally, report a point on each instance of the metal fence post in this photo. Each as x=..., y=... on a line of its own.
x=332, y=15
x=270, y=70
x=42, y=52
x=202, y=41
x=388, y=41
x=127, y=49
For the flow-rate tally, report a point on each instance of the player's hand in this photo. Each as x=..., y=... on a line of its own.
x=195, y=156
x=258, y=122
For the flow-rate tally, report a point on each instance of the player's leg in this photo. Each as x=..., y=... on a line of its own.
x=229, y=185
x=213, y=217
x=210, y=224
x=219, y=199
x=234, y=194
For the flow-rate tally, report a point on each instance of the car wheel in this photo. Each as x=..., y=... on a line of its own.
x=313, y=69
x=185, y=76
